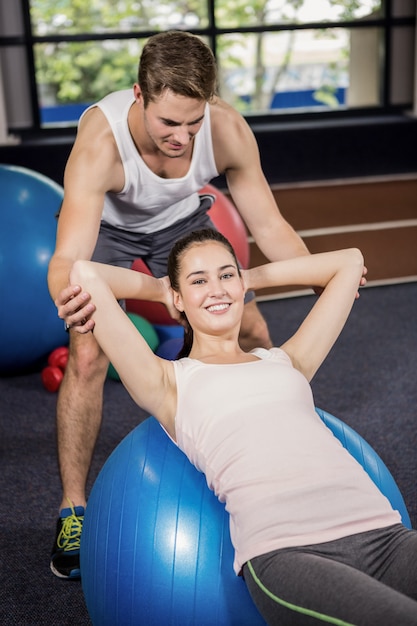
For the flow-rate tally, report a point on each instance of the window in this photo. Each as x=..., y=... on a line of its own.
x=275, y=57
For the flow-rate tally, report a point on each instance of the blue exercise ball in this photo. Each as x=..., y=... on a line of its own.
x=29, y=326
x=170, y=331
x=155, y=547
x=170, y=348
x=371, y=462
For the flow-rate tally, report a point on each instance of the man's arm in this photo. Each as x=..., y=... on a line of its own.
x=93, y=168
x=237, y=156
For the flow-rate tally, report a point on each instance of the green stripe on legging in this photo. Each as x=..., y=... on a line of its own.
x=293, y=607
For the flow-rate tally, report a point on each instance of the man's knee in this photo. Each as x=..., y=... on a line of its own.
x=86, y=359
x=254, y=331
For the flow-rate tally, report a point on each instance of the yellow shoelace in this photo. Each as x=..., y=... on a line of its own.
x=70, y=535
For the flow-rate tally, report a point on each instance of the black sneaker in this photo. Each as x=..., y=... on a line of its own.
x=65, y=557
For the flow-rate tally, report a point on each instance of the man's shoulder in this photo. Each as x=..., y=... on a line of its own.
x=225, y=120
x=95, y=138
x=231, y=135
x=100, y=115
x=220, y=109
x=116, y=103
x=122, y=95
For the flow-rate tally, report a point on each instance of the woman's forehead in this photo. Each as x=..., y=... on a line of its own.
x=206, y=256
x=206, y=249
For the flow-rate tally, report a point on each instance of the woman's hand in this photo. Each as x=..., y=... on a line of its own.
x=168, y=299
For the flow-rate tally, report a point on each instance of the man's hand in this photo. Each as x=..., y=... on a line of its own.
x=363, y=280
x=75, y=308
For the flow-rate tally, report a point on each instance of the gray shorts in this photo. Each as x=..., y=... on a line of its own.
x=116, y=246
x=121, y=247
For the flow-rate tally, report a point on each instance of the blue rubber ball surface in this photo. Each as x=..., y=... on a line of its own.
x=29, y=325
x=155, y=547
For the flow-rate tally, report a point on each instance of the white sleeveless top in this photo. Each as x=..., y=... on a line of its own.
x=286, y=479
x=147, y=202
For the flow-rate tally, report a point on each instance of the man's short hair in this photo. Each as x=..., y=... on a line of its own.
x=178, y=61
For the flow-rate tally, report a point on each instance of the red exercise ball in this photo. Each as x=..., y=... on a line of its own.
x=153, y=312
x=227, y=220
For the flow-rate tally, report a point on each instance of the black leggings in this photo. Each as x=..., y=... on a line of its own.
x=365, y=579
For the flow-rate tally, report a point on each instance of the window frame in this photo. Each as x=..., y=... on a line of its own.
x=387, y=23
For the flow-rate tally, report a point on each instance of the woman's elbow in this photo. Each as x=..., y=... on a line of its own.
x=80, y=272
x=356, y=257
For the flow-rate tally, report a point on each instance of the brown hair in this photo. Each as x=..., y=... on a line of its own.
x=178, y=61
x=174, y=266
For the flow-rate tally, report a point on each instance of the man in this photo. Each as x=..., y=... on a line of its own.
x=131, y=189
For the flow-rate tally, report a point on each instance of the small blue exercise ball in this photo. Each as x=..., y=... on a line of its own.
x=29, y=325
x=170, y=331
x=170, y=348
x=155, y=548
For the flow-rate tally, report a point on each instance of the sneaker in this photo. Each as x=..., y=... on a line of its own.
x=65, y=557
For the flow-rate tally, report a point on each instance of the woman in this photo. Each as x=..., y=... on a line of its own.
x=314, y=538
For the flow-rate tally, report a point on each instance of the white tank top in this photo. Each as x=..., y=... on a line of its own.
x=286, y=479
x=147, y=202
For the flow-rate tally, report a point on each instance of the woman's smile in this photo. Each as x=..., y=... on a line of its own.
x=218, y=308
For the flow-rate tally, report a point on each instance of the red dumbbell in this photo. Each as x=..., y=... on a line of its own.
x=53, y=373
x=59, y=358
x=52, y=378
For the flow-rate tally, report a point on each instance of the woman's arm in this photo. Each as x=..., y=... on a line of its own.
x=149, y=379
x=75, y=305
x=339, y=273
